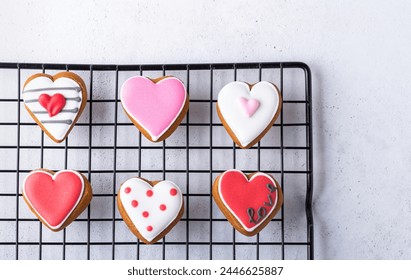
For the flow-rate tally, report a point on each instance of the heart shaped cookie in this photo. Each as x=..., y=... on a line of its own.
x=56, y=199
x=155, y=106
x=150, y=209
x=55, y=102
x=248, y=202
x=248, y=111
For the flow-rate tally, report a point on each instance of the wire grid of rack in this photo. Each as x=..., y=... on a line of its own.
x=16, y=244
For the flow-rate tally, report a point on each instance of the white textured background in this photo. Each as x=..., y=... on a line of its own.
x=359, y=53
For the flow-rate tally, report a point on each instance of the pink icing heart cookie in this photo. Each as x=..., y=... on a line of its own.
x=150, y=209
x=248, y=111
x=249, y=202
x=55, y=102
x=155, y=106
x=58, y=198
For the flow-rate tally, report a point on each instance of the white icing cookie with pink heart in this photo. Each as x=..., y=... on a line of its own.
x=55, y=102
x=155, y=106
x=150, y=209
x=248, y=111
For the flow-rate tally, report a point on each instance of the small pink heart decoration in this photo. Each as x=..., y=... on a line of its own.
x=249, y=106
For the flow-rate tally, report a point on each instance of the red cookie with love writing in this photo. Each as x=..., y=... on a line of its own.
x=57, y=199
x=249, y=202
x=150, y=209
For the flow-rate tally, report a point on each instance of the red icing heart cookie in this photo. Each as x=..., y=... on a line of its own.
x=249, y=202
x=56, y=199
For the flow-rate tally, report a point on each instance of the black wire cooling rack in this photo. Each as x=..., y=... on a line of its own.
x=287, y=154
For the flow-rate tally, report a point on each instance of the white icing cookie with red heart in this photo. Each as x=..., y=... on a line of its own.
x=56, y=199
x=248, y=111
x=55, y=102
x=249, y=202
x=150, y=209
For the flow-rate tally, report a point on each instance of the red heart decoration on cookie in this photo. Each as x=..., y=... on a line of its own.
x=53, y=104
x=249, y=200
x=53, y=197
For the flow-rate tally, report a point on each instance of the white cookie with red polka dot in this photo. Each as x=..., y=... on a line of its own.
x=150, y=209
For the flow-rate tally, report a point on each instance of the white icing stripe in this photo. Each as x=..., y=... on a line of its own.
x=66, y=93
x=69, y=104
x=67, y=99
x=157, y=211
x=54, y=176
x=52, y=89
x=248, y=128
x=58, y=121
x=75, y=110
x=232, y=212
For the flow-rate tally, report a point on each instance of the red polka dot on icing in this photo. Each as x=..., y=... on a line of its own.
x=173, y=192
x=134, y=203
x=127, y=190
x=163, y=207
x=149, y=228
x=149, y=193
x=145, y=214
